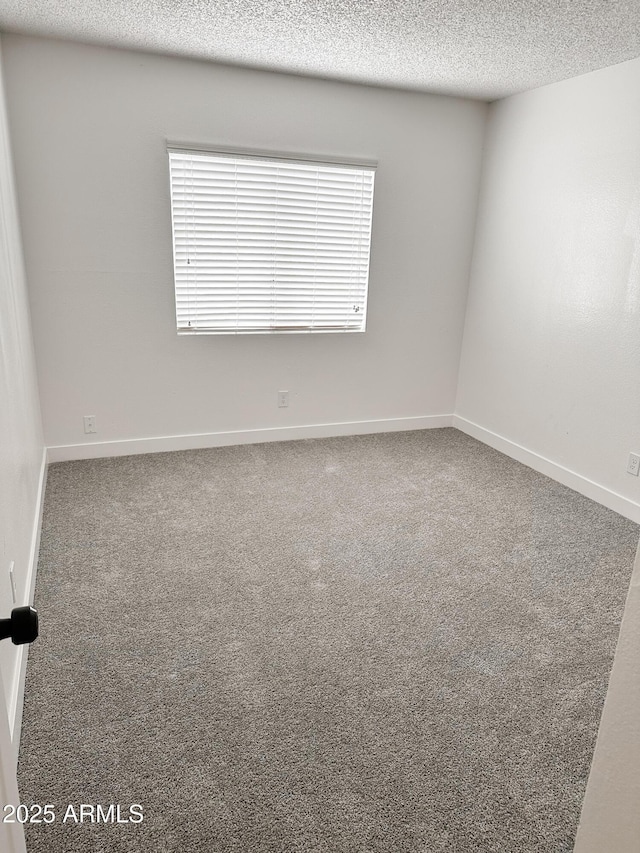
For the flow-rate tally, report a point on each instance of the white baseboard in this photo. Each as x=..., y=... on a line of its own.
x=16, y=697
x=618, y=503
x=161, y=444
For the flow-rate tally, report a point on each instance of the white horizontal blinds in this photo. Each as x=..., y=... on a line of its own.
x=264, y=245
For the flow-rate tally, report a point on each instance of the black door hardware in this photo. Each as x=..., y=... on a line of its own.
x=22, y=626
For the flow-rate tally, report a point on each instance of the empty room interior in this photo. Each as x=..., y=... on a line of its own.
x=320, y=427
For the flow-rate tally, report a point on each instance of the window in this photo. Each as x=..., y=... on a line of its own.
x=269, y=245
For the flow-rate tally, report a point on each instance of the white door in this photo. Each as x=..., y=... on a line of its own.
x=11, y=834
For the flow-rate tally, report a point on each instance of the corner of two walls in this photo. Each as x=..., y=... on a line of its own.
x=23, y=459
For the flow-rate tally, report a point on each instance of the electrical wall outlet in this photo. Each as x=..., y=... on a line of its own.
x=633, y=466
x=89, y=424
x=283, y=399
x=12, y=578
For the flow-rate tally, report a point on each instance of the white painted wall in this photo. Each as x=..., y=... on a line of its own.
x=89, y=127
x=21, y=444
x=551, y=353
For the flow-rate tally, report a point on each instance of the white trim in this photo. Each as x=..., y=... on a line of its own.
x=160, y=444
x=16, y=697
x=11, y=834
x=618, y=503
x=239, y=151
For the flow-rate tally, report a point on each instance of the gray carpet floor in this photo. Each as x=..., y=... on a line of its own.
x=369, y=644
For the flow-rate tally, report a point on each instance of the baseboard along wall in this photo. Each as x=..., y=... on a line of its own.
x=161, y=444
x=583, y=485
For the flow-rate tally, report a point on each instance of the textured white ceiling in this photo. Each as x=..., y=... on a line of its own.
x=477, y=48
